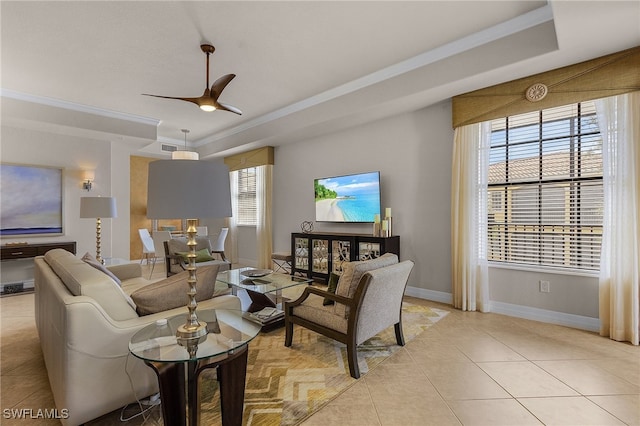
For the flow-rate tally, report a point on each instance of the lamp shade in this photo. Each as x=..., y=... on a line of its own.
x=188, y=189
x=94, y=207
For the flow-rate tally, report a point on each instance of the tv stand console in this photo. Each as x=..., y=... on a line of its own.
x=17, y=263
x=318, y=254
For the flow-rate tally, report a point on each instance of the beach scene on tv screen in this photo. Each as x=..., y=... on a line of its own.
x=352, y=198
x=31, y=200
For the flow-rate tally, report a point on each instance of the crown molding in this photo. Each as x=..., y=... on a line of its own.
x=72, y=106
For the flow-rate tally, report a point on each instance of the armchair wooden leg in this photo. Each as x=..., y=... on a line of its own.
x=399, y=334
x=288, y=330
x=352, y=358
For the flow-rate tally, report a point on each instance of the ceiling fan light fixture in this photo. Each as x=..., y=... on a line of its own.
x=208, y=102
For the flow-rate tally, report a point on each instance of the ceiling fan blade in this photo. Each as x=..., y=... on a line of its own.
x=193, y=100
x=219, y=85
x=229, y=108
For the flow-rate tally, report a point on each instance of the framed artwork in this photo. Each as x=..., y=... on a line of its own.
x=31, y=200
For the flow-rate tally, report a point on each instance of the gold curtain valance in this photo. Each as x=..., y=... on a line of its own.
x=253, y=158
x=609, y=75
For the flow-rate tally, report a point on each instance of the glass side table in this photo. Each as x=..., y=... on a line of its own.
x=178, y=373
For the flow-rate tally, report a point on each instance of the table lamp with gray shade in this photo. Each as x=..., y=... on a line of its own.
x=192, y=190
x=98, y=208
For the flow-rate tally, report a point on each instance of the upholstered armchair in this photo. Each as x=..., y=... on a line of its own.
x=176, y=249
x=367, y=300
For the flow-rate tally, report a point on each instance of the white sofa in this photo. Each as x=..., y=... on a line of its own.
x=85, y=321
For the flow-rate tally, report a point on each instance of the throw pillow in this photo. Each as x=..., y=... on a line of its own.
x=171, y=292
x=202, y=255
x=331, y=287
x=100, y=267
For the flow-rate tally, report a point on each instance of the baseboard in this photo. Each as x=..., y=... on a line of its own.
x=436, y=296
x=544, y=315
x=518, y=311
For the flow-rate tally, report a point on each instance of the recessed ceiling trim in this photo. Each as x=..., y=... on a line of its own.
x=496, y=32
x=58, y=103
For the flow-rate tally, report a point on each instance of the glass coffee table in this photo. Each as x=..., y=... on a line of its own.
x=265, y=293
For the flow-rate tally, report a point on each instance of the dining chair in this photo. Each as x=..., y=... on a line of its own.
x=148, y=248
x=218, y=246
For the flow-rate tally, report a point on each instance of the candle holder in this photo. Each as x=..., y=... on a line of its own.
x=387, y=217
x=385, y=229
x=376, y=225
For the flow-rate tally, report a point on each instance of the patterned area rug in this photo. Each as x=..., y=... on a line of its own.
x=286, y=385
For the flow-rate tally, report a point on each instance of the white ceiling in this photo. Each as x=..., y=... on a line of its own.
x=303, y=67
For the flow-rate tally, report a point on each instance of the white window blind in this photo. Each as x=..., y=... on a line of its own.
x=545, y=188
x=247, y=210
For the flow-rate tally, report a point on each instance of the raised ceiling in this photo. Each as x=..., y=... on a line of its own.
x=303, y=67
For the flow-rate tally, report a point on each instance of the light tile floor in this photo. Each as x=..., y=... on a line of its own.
x=469, y=368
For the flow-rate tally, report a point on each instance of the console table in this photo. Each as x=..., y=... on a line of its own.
x=17, y=263
x=318, y=254
x=26, y=251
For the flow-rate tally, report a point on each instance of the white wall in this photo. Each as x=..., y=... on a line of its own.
x=75, y=155
x=109, y=161
x=413, y=154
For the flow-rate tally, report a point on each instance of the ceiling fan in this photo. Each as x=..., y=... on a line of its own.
x=209, y=99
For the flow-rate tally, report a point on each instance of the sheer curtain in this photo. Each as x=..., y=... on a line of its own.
x=619, y=120
x=264, y=184
x=231, y=223
x=469, y=270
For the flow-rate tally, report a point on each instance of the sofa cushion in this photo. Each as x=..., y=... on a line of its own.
x=313, y=310
x=353, y=271
x=81, y=279
x=99, y=266
x=171, y=292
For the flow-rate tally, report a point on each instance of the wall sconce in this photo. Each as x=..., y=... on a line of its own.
x=88, y=178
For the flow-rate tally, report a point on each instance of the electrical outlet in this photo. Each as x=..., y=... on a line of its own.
x=545, y=287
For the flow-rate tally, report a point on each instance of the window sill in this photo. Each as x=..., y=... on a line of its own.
x=544, y=269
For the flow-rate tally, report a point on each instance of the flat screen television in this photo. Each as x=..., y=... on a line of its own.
x=351, y=198
x=31, y=200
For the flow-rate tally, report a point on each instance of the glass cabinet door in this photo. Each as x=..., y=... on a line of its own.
x=301, y=256
x=320, y=256
x=368, y=250
x=340, y=253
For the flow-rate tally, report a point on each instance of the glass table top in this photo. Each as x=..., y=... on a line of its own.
x=269, y=283
x=157, y=341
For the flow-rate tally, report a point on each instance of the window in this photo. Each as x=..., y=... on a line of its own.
x=247, y=211
x=545, y=188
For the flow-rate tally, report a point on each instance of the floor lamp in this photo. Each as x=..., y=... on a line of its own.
x=98, y=208
x=192, y=190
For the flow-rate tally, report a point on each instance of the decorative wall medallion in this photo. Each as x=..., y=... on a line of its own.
x=307, y=227
x=536, y=92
